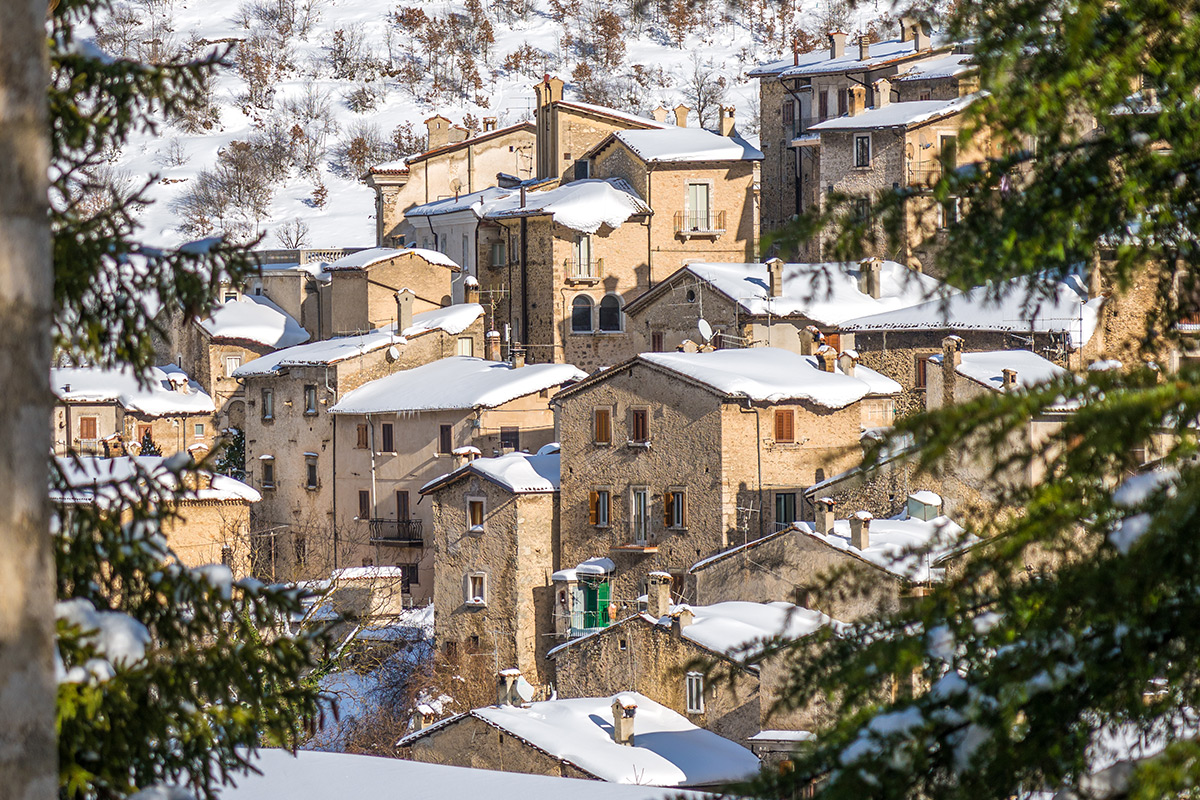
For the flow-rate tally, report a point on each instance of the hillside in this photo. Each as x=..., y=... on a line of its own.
x=319, y=88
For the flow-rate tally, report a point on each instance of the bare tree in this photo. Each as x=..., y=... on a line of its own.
x=704, y=89
x=292, y=235
x=27, y=686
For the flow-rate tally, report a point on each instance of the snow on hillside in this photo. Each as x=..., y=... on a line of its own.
x=345, y=218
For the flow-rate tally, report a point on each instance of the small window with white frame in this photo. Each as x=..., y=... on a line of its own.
x=695, y=693
x=475, y=589
x=476, y=511
x=862, y=150
x=232, y=362
x=466, y=346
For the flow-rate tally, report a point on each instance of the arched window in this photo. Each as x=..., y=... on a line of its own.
x=581, y=314
x=610, y=313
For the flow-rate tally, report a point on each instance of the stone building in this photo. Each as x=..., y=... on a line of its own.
x=627, y=738
x=772, y=304
x=290, y=434
x=211, y=522
x=880, y=561
x=656, y=653
x=454, y=164
x=799, y=92
x=364, y=287
x=106, y=412
x=397, y=433
x=495, y=538
x=671, y=457
x=704, y=186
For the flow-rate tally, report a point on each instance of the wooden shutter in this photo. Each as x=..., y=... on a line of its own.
x=668, y=509
x=681, y=500
x=362, y=437
x=87, y=427
x=402, y=505
x=593, y=508
x=785, y=425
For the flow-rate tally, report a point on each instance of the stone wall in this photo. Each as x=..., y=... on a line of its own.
x=471, y=742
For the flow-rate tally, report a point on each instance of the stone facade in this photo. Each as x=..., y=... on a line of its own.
x=362, y=299
x=118, y=429
x=211, y=532
x=470, y=742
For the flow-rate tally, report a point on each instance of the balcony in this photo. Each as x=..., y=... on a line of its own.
x=692, y=223
x=801, y=135
x=924, y=173
x=581, y=271
x=397, y=532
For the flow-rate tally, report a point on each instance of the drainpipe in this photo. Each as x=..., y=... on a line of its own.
x=649, y=237
x=758, y=451
x=333, y=480
x=524, y=282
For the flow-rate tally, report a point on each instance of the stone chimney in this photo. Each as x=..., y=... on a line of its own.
x=823, y=515
x=470, y=289
x=624, y=710
x=179, y=382
x=548, y=90
x=507, y=687
x=489, y=124
x=681, y=112
x=404, y=310
x=492, y=346
x=425, y=715
x=682, y=617
x=848, y=360
x=518, y=356
x=727, y=116
x=827, y=357
x=775, y=277
x=857, y=99
x=837, y=44
x=658, y=594
x=810, y=339
x=660, y=114
x=1010, y=379
x=864, y=47
x=795, y=55
x=860, y=530
x=951, y=359
x=869, y=277
x=906, y=28
x=921, y=37
x=438, y=130
x=883, y=92
x=846, y=339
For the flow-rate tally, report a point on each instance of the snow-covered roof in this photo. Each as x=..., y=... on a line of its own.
x=773, y=375
x=597, y=565
x=783, y=736
x=519, y=473
x=947, y=66
x=96, y=479
x=581, y=205
x=475, y=201
x=457, y=382
x=895, y=115
x=614, y=113
x=374, y=255
x=367, y=573
x=687, y=144
x=452, y=319
x=1018, y=309
x=827, y=294
x=988, y=368
x=310, y=775
x=818, y=62
x=731, y=627
x=667, y=749
x=891, y=542
x=254, y=318
x=160, y=398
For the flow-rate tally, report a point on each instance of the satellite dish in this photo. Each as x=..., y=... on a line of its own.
x=392, y=354
x=524, y=690
x=706, y=330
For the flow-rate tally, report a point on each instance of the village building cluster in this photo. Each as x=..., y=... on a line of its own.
x=572, y=402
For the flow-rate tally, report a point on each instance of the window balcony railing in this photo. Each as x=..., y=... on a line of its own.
x=397, y=532
x=581, y=270
x=924, y=173
x=694, y=223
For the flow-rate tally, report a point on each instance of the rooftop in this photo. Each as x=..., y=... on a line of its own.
x=945, y=67
x=519, y=473
x=988, y=368
x=581, y=205
x=687, y=144
x=457, y=382
x=897, y=115
x=97, y=480
x=374, y=255
x=159, y=398
x=254, y=318
x=613, y=113
x=818, y=62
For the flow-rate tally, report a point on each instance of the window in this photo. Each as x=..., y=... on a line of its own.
x=785, y=509
x=675, y=508
x=789, y=116
x=408, y=575
x=446, y=439
x=598, y=502
x=227, y=556
x=823, y=104
x=656, y=342
x=268, y=404
x=584, y=267
x=639, y=517
x=387, y=431
x=583, y=169
x=510, y=438
x=610, y=313
x=862, y=150
x=862, y=209
x=581, y=314
x=88, y=427
x=843, y=102
x=198, y=430
x=499, y=254
x=922, y=371
x=639, y=425
x=268, y=473
x=402, y=505
x=300, y=548
x=475, y=586
x=475, y=514
x=602, y=426
x=362, y=440
x=699, y=218
x=231, y=364
x=310, y=399
x=466, y=346
x=364, y=504
x=695, y=693
x=465, y=249
x=310, y=477
x=949, y=151
x=785, y=425
x=622, y=644
x=143, y=431
x=948, y=213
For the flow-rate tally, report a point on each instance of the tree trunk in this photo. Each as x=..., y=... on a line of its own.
x=27, y=683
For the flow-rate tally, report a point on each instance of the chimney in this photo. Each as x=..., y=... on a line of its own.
x=683, y=617
x=727, y=113
x=660, y=114
x=847, y=340
x=951, y=359
x=837, y=44
x=826, y=357
x=437, y=128
x=1010, y=379
x=522, y=196
x=518, y=356
x=658, y=594
x=869, y=278
x=404, y=310
x=864, y=47
x=470, y=289
x=810, y=339
x=860, y=530
x=883, y=92
x=507, y=687
x=795, y=55
x=681, y=112
x=857, y=98
x=425, y=715
x=549, y=90
x=489, y=124
x=492, y=346
x=848, y=360
x=624, y=710
x=775, y=277
x=921, y=37
x=823, y=521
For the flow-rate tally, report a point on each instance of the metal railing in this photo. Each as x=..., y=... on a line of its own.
x=924, y=172
x=401, y=532
x=689, y=222
x=580, y=270
x=302, y=256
